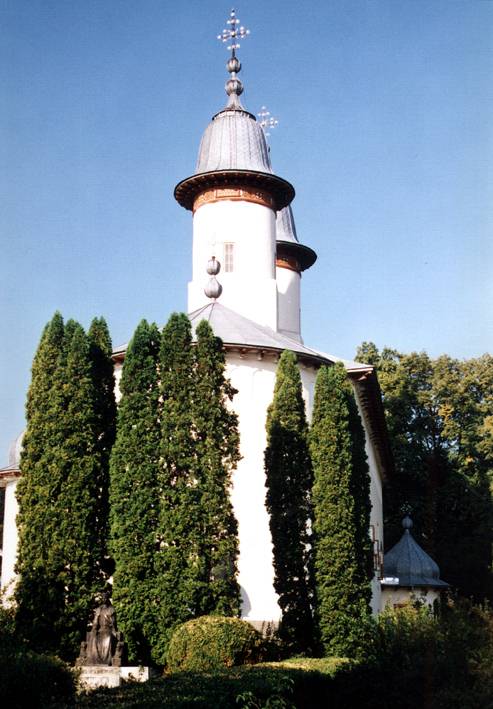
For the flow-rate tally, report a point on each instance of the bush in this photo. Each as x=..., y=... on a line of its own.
x=26, y=678
x=441, y=661
x=212, y=642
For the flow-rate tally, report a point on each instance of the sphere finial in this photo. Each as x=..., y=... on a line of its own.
x=407, y=523
x=213, y=288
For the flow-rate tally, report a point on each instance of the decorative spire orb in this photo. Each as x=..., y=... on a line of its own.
x=233, y=86
x=213, y=288
x=213, y=266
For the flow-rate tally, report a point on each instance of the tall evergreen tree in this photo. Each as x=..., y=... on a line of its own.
x=38, y=596
x=134, y=493
x=59, y=494
x=341, y=504
x=289, y=479
x=178, y=564
x=105, y=411
x=217, y=438
x=197, y=535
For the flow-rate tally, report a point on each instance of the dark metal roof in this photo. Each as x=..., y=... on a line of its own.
x=409, y=565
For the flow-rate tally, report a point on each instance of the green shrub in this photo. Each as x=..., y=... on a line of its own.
x=31, y=680
x=26, y=678
x=212, y=642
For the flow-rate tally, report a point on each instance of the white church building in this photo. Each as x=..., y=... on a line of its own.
x=241, y=214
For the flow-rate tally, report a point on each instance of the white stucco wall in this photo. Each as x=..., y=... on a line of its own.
x=10, y=537
x=251, y=288
x=288, y=303
x=254, y=379
x=376, y=515
x=397, y=596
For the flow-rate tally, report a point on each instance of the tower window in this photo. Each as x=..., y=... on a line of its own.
x=228, y=257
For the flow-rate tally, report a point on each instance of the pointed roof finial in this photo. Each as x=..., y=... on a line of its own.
x=266, y=120
x=234, y=87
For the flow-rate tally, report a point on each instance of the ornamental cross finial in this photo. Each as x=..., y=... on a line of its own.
x=266, y=120
x=232, y=33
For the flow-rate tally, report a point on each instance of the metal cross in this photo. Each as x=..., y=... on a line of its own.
x=266, y=120
x=233, y=33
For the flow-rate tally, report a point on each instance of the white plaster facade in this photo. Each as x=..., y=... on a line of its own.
x=288, y=302
x=395, y=597
x=10, y=536
x=254, y=379
x=250, y=288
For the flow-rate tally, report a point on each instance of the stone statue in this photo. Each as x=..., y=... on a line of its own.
x=104, y=644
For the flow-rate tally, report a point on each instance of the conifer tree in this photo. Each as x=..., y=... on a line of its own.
x=217, y=438
x=178, y=563
x=134, y=494
x=38, y=596
x=197, y=533
x=105, y=411
x=289, y=479
x=60, y=550
x=341, y=507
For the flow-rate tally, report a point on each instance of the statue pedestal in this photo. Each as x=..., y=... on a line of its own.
x=93, y=676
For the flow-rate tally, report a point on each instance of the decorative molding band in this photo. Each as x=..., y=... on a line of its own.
x=234, y=194
x=289, y=262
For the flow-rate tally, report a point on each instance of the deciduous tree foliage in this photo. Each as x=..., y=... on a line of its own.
x=289, y=479
x=341, y=516
x=61, y=503
x=134, y=494
x=439, y=415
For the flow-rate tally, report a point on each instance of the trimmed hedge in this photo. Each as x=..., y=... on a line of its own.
x=212, y=642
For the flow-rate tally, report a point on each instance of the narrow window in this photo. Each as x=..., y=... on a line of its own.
x=228, y=257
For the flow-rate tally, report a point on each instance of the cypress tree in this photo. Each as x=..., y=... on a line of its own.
x=134, y=494
x=289, y=479
x=105, y=411
x=38, y=596
x=59, y=495
x=217, y=438
x=341, y=507
x=197, y=532
x=178, y=563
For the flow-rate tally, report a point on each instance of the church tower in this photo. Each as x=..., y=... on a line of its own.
x=242, y=219
x=244, y=234
x=235, y=197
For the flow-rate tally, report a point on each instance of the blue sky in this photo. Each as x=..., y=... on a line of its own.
x=385, y=112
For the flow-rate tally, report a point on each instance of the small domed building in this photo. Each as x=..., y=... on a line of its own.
x=409, y=573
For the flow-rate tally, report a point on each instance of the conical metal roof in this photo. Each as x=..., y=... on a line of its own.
x=233, y=140
x=287, y=240
x=233, y=150
x=409, y=565
x=285, y=227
